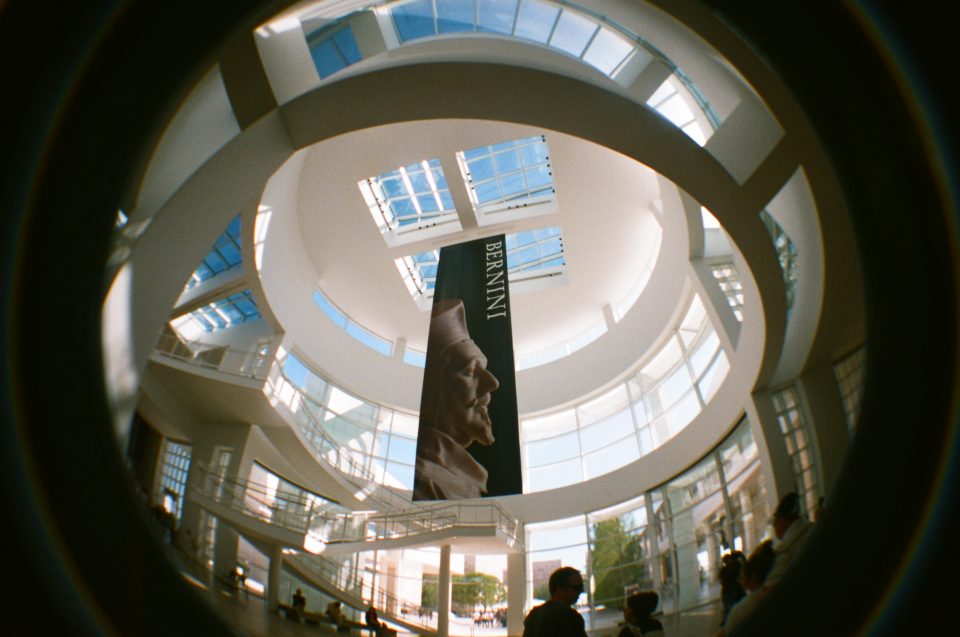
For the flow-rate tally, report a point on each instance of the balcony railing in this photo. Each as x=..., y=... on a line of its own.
x=314, y=517
x=347, y=578
x=228, y=360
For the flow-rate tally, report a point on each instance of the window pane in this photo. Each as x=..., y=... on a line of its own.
x=572, y=33
x=496, y=15
x=535, y=20
x=414, y=20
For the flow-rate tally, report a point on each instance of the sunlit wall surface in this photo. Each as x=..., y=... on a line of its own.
x=633, y=418
x=669, y=539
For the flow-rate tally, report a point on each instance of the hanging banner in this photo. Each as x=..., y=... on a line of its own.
x=469, y=439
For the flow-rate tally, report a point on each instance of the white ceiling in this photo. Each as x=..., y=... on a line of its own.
x=605, y=214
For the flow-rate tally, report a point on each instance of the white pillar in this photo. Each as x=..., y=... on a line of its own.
x=273, y=578
x=444, y=590
x=516, y=595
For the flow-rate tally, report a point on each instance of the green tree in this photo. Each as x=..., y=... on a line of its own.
x=475, y=589
x=430, y=592
x=617, y=561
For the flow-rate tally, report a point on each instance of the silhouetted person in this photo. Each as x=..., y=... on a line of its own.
x=637, y=616
x=555, y=618
x=791, y=529
x=299, y=604
x=753, y=576
x=731, y=591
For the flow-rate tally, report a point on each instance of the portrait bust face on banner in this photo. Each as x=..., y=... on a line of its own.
x=454, y=411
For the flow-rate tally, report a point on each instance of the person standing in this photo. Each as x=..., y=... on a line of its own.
x=753, y=575
x=791, y=529
x=555, y=617
x=299, y=605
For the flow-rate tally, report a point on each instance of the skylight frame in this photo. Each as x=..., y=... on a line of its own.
x=411, y=202
x=418, y=271
x=607, y=48
x=220, y=314
x=223, y=256
x=342, y=45
x=509, y=180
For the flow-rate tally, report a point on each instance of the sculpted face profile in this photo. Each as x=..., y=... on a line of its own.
x=454, y=414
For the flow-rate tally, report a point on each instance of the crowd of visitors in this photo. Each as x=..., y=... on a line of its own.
x=764, y=567
x=744, y=581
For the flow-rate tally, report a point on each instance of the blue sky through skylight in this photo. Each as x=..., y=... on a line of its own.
x=527, y=251
x=333, y=49
x=509, y=173
x=217, y=315
x=538, y=21
x=224, y=255
x=410, y=197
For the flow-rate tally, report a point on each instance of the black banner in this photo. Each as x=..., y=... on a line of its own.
x=469, y=439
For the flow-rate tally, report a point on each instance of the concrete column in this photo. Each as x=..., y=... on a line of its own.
x=516, y=592
x=273, y=578
x=444, y=590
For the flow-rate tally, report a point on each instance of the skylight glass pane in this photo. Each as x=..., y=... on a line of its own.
x=535, y=20
x=347, y=45
x=534, y=249
x=508, y=173
x=415, y=358
x=608, y=51
x=414, y=20
x=369, y=339
x=295, y=371
x=572, y=34
x=410, y=197
x=224, y=255
x=222, y=313
x=455, y=16
x=330, y=309
x=496, y=16
x=786, y=255
x=326, y=59
x=425, y=265
x=333, y=49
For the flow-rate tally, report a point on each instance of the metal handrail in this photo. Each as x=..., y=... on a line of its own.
x=347, y=579
x=396, y=516
x=305, y=515
x=228, y=360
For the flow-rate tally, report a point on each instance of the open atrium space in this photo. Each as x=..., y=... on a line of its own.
x=731, y=264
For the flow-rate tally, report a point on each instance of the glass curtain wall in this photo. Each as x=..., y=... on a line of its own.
x=633, y=418
x=604, y=433
x=669, y=539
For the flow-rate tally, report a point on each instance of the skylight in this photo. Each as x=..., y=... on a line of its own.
x=510, y=176
x=224, y=255
x=669, y=103
x=409, y=199
x=531, y=254
x=786, y=255
x=217, y=315
x=534, y=250
x=545, y=23
x=351, y=327
x=333, y=49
